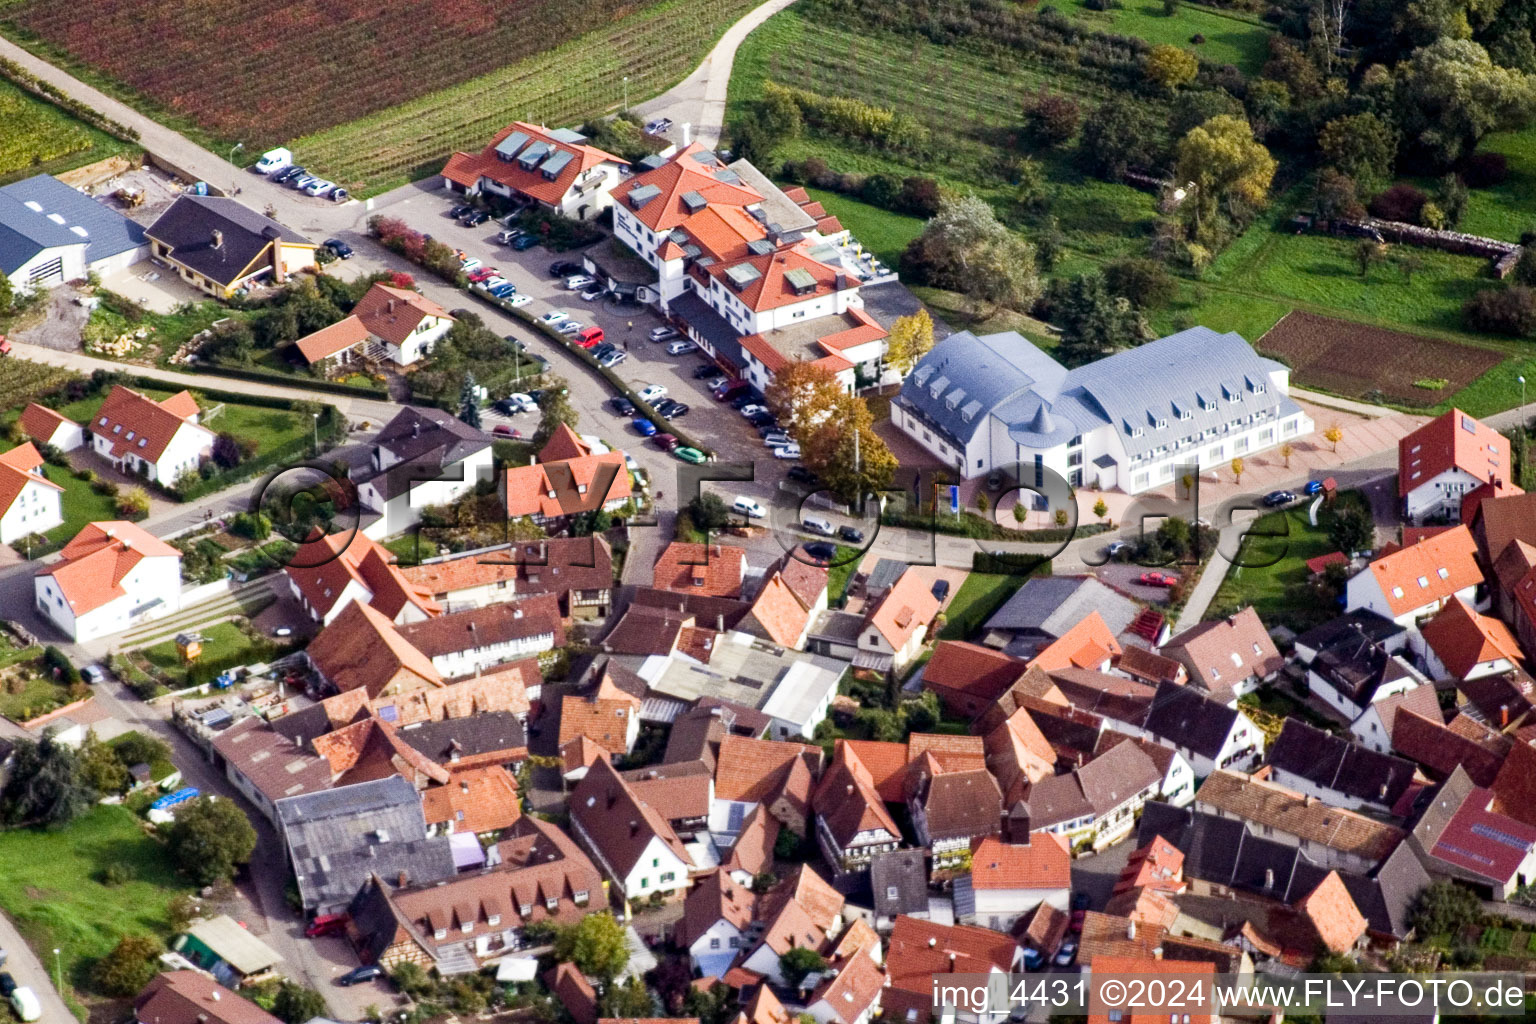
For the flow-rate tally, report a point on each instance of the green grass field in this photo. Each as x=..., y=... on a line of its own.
x=79, y=503
x=1230, y=37
x=1507, y=209
x=268, y=428
x=51, y=886
x=37, y=696
x=40, y=138
x=978, y=597
x=882, y=232
x=220, y=640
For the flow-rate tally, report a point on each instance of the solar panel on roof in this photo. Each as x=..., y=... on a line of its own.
x=508, y=147
x=568, y=135
x=735, y=815
x=706, y=159
x=1499, y=836
x=728, y=176
x=556, y=163
x=530, y=157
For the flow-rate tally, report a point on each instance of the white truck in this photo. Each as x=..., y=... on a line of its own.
x=274, y=160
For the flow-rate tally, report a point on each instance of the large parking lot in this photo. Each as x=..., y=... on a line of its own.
x=627, y=326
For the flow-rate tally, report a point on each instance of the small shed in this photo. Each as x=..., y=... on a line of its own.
x=224, y=948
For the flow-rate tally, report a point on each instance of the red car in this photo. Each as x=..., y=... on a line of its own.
x=1157, y=579
x=589, y=337
x=666, y=442
x=502, y=430
x=326, y=924
x=483, y=274
x=729, y=390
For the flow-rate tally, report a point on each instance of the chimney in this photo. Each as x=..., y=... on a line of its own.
x=215, y=995
x=719, y=622
x=634, y=829
x=932, y=942
x=389, y=307
x=1503, y=716
x=463, y=786
x=217, y=239
x=400, y=880
x=850, y=789
x=840, y=280
x=1269, y=878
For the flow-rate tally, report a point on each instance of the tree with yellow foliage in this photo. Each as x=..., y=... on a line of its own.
x=1170, y=67
x=911, y=338
x=1228, y=167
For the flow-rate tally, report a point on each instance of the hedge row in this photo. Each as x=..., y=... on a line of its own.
x=284, y=380
x=25, y=79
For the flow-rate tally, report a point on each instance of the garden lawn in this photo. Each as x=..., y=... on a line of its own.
x=159, y=768
x=223, y=639
x=978, y=597
x=845, y=561
x=1508, y=209
x=268, y=428
x=50, y=885
x=79, y=503
x=41, y=138
x=882, y=232
x=38, y=696
x=1274, y=554
x=1230, y=37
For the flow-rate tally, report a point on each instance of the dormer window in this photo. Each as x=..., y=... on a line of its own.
x=525, y=909
x=1443, y=573
x=440, y=934
x=494, y=920
x=467, y=927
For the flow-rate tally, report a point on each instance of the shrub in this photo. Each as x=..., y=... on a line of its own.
x=1400, y=202
x=1484, y=170
x=1051, y=118
x=61, y=667
x=1197, y=38
x=128, y=967
x=1510, y=311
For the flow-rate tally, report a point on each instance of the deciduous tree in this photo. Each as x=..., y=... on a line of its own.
x=965, y=248
x=595, y=944
x=129, y=966
x=554, y=408
x=1363, y=146
x=45, y=786
x=210, y=838
x=1333, y=435
x=911, y=338
x=803, y=395
x=1169, y=67
x=1228, y=166
x=1116, y=136
x=1450, y=94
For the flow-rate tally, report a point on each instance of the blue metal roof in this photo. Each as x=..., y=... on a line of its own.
x=35, y=206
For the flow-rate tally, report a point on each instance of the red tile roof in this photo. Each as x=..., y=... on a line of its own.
x=919, y=949
x=1454, y=440
x=19, y=467
x=138, y=424
x=1086, y=645
x=1042, y=863
x=715, y=897
x=970, y=670
x=1514, y=789
x=361, y=650
x=1463, y=639
x=713, y=569
x=906, y=608
x=41, y=423
x=1427, y=572
x=1333, y=914
x=771, y=289
x=567, y=486
x=191, y=997
x=1483, y=841
x=322, y=568
x=779, y=613
x=619, y=823
x=684, y=173
x=333, y=338
x=1125, y=967
x=477, y=801
x=754, y=770
x=466, y=169
x=95, y=562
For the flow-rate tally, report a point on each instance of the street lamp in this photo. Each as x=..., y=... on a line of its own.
x=232, y=151
x=58, y=971
x=626, y=93
x=315, y=418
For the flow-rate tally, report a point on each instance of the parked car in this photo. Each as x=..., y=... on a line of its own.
x=775, y=438
x=367, y=972
x=752, y=409
x=517, y=300
x=504, y=291
x=554, y=316
x=525, y=243
x=1157, y=579
x=461, y=211
x=475, y=219
x=612, y=359
x=564, y=268
x=854, y=535
x=940, y=590
x=589, y=337
x=7, y=985
x=672, y=409
x=283, y=631
x=643, y=427
x=666, y=442
x=1274, y=499
x=652, y=393
x=341, y=250
x=715, y=379
x=520, y=402
x=576, y=282
x=502, y=430
x=26, y=1004
x=593, y=293
x=1115, y=548
x=1067, y=954
x=805, y=476
x=570, y=327
x=300, y=181
x=318, y=187
x=480, y=274
x=704, y=371
x=745, y=506
x=659, y=126
x=820, y=551
x=93, y=673
x=1032, y=959
x=788, y=451
x=338, y=195
x=604, y=349
x=762, y=419
x=287, y=174
x=510, y=235
x=681, y=347
x=621, y=405
x=818, y=525
x=1313, y=487
x=469, y=264
x=273, y=160
x=663, y=333
x=326, y=924
x=743, y=398
x=729, y=389
x=692, y=455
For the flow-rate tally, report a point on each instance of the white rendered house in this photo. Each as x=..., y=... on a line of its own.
x=113, y=576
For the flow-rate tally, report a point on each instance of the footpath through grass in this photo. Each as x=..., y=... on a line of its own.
x=51, y=885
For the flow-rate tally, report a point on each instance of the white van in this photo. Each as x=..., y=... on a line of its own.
x=274, y=160
x=24, y=1001
x=747, y=507
x=818, y=525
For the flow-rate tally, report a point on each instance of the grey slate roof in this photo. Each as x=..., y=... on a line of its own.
x=899, y=882
x=713, y=327
x=1332, y=762
x=187, y=226
x=1187, y=718
x=337, y=837
x=417, y=433
x=889, y=301
x=1213, y=377
x=482, y=733
x=22, y=228
x=1048, y=606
